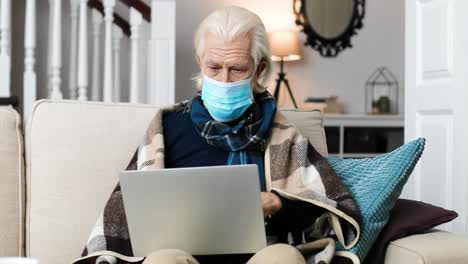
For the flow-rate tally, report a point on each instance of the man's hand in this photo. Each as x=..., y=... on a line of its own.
x=271, y=203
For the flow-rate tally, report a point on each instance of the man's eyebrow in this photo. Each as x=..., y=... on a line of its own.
x=240, y=65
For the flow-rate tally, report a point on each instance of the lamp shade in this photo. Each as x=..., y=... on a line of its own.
x=285, y=45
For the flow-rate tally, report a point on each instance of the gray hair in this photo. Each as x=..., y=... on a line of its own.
x=230, y=23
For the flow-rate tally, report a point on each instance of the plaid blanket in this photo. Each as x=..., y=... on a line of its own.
x=293, y=168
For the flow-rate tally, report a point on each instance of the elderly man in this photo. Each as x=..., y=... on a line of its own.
x=233, y=120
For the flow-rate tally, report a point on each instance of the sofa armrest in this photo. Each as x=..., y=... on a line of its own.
x=11, y=183
x=433, y=247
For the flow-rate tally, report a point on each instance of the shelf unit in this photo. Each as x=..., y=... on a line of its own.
x=385, y=128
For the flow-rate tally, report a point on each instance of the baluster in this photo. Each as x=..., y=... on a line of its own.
x=49, y=48
x=117, y=37
x=74, y=4
x=97, y=21
x=56, y=48
x=149, y=90
x=136, y=20
x=29, y=75
x=163, y=51
x=83, y=52
x=108, y=18
x=5, y=58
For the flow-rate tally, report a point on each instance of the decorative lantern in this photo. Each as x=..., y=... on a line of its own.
x=382, y=92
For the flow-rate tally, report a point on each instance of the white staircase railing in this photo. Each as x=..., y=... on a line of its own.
x=96, y=72
x=108, y=19
x=117, y=38
x=72, y=73
x=83, y=52
x=55, y=49
x=29, y=75
x=136, y=19
x=147, y=68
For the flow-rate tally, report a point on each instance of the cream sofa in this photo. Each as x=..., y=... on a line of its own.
x=73, y=151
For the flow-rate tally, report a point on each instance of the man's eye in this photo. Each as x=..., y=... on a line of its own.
x=214, y=67
x=237, y=70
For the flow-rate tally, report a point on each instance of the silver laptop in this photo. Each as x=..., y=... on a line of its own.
x=203, y=210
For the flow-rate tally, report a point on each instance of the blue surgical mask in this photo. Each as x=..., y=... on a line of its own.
x=226, y=101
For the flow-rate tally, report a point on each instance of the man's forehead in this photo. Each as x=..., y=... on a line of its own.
x=216, y=44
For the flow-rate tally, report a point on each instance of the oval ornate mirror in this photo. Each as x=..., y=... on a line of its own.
x=329, y=24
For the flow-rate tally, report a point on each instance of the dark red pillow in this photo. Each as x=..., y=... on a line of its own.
x=407, y=218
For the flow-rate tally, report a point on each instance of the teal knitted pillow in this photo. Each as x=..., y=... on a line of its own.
x=376, y=184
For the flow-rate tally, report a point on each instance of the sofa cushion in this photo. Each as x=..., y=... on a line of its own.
x=11, y=182
x=74, y=152
x=407, y=217
x=310, y=124
x=435, y=247
x=376, y=184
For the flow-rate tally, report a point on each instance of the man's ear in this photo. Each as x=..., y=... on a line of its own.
x=261, y=68
x=198, y=61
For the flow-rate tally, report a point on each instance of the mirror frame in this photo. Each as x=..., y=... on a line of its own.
x=329, y=47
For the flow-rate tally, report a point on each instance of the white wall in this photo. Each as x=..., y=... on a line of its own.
x=379, y=43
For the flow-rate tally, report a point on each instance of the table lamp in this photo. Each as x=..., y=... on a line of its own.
x=284, y=47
